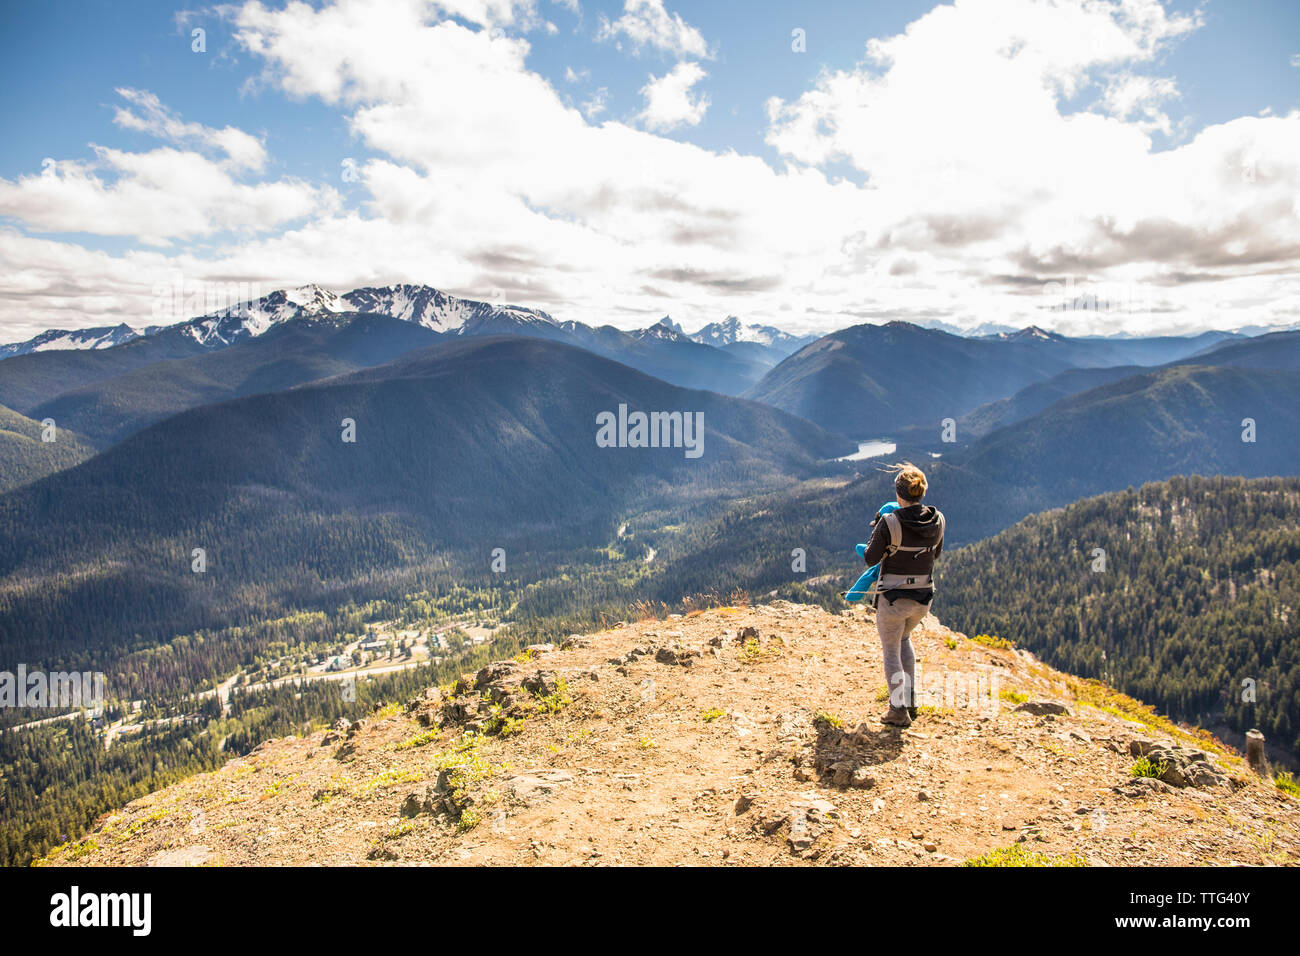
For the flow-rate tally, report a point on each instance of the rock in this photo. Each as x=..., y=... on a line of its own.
x=862, y=780
x=195, y=855
x=539, y=648
x=930, y=846
x=531, y=787
x=677, y=654
x=457, y=710
x=744, y=802
x=420, y=801
x=923, y=796
x=575, y=640
x=330, y=738
x=356, y=728
x=1143, y=786
x=495, y=673
x=1180, y=766
x=540, y=684
x=342, y=724
x=746, y=634
x=1044, y=708
x=1141, y=748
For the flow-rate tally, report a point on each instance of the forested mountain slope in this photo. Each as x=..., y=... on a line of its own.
x=461, y=449
x=24, y=457
x=1200, y=593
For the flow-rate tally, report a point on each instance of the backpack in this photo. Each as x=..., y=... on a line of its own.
x=917, y=582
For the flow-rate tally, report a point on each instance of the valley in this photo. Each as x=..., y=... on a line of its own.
x=471, y=509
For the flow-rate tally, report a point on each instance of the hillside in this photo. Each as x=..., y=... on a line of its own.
x=293, y=353
x=870, y=380
x=24, y=458
x=1180, y=420
x=848, y=380
x=460, y=449
x=1199, y=593
x=1273, y=350
x=724, y=737
x=27, y=380
x=1185, y=420
x=1029, y=401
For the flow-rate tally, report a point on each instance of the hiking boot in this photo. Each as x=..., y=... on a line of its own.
x=897, y=717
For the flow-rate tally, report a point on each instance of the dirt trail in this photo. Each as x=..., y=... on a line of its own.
x=675, y=742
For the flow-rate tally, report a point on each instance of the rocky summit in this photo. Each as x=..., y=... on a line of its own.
x=731, y=736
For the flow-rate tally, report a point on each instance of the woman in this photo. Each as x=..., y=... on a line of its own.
x=908, y=541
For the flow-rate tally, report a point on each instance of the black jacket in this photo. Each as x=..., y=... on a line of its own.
x=922, y=527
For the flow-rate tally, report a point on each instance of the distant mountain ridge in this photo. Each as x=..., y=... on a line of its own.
x=883, y=379
x=103, y=337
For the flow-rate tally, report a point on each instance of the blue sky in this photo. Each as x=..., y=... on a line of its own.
x=825, y=209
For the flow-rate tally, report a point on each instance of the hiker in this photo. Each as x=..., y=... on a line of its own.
x=906, y=541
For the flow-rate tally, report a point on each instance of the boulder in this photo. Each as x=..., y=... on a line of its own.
x=1180, y=766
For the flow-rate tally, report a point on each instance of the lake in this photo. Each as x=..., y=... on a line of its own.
x=871, y=448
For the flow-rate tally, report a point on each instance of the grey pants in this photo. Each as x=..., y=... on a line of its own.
x=894, y=622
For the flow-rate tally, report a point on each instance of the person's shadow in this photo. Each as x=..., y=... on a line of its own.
x=840, y=757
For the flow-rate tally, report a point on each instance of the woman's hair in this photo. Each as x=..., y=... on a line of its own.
x=909, y=481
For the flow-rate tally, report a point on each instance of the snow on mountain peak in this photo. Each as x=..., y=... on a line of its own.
x=731, y=330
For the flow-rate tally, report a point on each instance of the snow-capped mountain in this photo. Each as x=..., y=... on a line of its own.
x=1030, y=333
x=248, y=319
x=441, y=311
x=419, y=304
x=59, y=339
x=983, y=330
x=731, y=330
x=665, y=330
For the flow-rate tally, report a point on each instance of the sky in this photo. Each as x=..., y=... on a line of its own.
x=1087, y=166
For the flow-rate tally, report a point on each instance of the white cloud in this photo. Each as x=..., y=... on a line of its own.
x=576, y=76
x=668, y=100
x=980, y=187
x=998, y=185
x=645, y=23
x=596, y=104
x=1128, y=96
x=243, y=151
x=163, y=194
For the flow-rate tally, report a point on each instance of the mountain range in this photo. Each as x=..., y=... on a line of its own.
x=460, y=448
x=871, y=380
x=34, y=375
x=255, y=487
